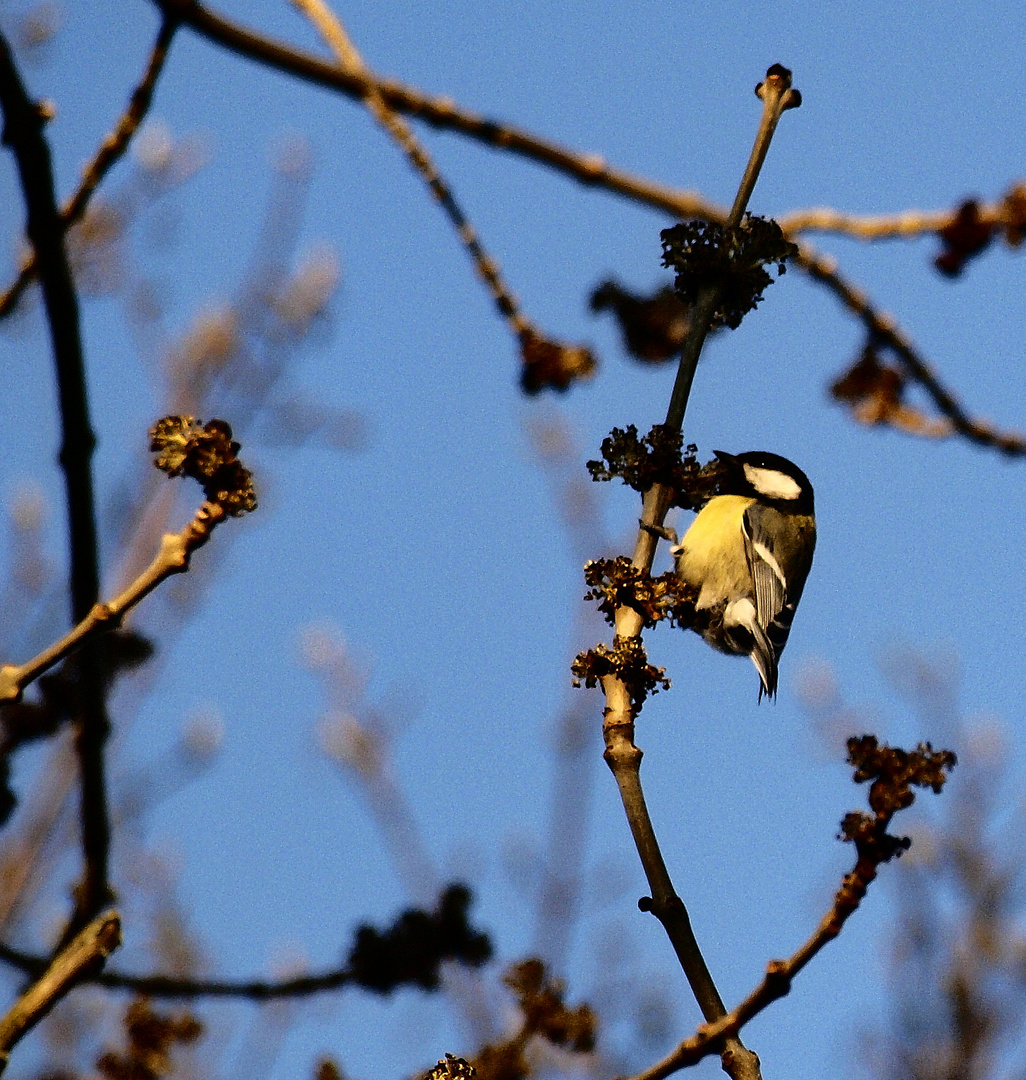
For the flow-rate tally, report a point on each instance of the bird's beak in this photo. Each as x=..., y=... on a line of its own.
x=727, y=459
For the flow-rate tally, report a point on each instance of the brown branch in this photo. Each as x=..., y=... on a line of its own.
x=1006, y=214
x=440, y=112
x=776, y=984
x=109, y=153
x=884, y=329
x=78, y=961
x=893, y=772
x=23, y=134
x=332, y=31
x=164, y=986
x=173, y=558
x=592, y=170
x=622, y=754
x=823, y=219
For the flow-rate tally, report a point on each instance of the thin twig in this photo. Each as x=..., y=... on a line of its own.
x=78, y=961
x=894, y=772
x=908, y=223
x=109, y=153
x=884, y=329
x=23, y=133
x=173, y=558
x=440, y=112
x=823, y=219
x=165, y=986
x=777, y=96
x=334, y=34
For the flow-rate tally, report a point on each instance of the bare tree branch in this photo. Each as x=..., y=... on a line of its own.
x=79, y=960
x=622, y=754
x=110, y=152
x=894, y=772
x=884, y=329
x=1006, y=214
x=23, y=134
x=592, y=170
x=334, y=34
x=440, y=112
x=173, y=558
x=165, y=986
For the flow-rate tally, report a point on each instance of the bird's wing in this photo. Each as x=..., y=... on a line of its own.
x=774, y=612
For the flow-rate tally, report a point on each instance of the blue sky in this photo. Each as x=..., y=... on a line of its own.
x=439, y=552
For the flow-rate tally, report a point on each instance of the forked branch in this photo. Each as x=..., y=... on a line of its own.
x=893, y=772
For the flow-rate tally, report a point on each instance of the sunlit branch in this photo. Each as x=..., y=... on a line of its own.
x=109, y=153
x=776, y=984
x=893, y=772
x=173, y=558
x=824, y=219
x=23, y=134
x=907, y=223
x=334, y=34
x=440, y=112
x=76, y=962
x=592, y=170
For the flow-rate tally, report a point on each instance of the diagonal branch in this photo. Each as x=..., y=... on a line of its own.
x=77, y=961
x=173, y=558
x=885, y=329
x=334, y=34
x=440, y=112
x=23, y=134
x=775, y=985
x=894, y=772
x=592, y=170
x=110, y=152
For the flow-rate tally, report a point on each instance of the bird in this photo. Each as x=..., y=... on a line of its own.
x=748, y=553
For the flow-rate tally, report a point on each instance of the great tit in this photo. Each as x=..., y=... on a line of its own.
x=748, y=553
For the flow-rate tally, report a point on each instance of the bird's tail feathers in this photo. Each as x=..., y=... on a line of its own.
x=764, y=657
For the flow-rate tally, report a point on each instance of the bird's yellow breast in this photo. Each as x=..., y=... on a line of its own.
x=711, y=557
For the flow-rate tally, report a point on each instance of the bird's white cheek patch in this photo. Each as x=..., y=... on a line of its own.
x=772, y=483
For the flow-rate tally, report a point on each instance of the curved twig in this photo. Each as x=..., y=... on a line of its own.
x=333, y=32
